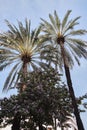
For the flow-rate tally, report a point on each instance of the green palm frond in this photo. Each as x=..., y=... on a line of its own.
x=2, y=66
x=57, y=20
x=83, y=51
x=49, y=28
x=71, y=24
x=38, y=30
x=77, y=51
x=34, y=35
x=11, y=84
x=69, y=59
x=52, y=21
x=65, y=18
x=78, y=41
x=75, y=56
x=76, y=32
x=28, y=24
x=12, y=29
x=8, y=80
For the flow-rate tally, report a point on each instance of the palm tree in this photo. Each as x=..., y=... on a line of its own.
x=62, y=34
x=20, y=47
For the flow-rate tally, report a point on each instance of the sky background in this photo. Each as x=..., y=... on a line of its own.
x=14, y=10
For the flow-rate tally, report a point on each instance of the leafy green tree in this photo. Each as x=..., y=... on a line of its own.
x=70, y=48
x=20, y=47
x=44, y=98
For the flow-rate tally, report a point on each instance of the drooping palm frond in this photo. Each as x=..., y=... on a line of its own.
x=76, y=32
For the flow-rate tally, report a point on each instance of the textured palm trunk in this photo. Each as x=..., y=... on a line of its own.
x=71, y=91
x=17, y=117
x=24, y=75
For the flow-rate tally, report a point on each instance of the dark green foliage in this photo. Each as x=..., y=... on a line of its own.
x=44, y=98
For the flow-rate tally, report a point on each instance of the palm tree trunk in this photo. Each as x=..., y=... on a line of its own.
x=76, y=111
x=17, y=117
x=24, y=76
x=71, y=91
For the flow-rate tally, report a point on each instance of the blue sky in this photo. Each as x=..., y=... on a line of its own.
x=14, y=10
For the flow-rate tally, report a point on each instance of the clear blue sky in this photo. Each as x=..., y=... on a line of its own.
x=14, y=10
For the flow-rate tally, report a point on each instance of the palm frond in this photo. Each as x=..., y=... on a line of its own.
x=83, y=51
x=78, y=41
x=47, y=27
x=57, y=20
x=21, y=31
x=10, y=26
x=3, y=66
x=38, y=30
x=8, y=79
x=34, y=66
x=78, y=50
x=12, y=80
x=71, y=24
x=43, y=39
x=76, y=59
x=65, y=18
x=52, y=21
x=35, y=35
x=28, y=23
x=69, y=59
x=32, y=34
x=74, y=54
x=76, y=32
x=19, y=34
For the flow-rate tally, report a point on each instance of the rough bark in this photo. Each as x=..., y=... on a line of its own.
x=76, y=111
x=71, y=90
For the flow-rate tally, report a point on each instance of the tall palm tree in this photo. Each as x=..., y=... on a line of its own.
x=70, y=48
x=20, y=47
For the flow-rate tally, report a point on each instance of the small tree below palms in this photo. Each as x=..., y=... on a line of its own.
x=44, y=98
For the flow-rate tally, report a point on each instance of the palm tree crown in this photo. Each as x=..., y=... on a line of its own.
x=63, y=32
x=20, y=47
